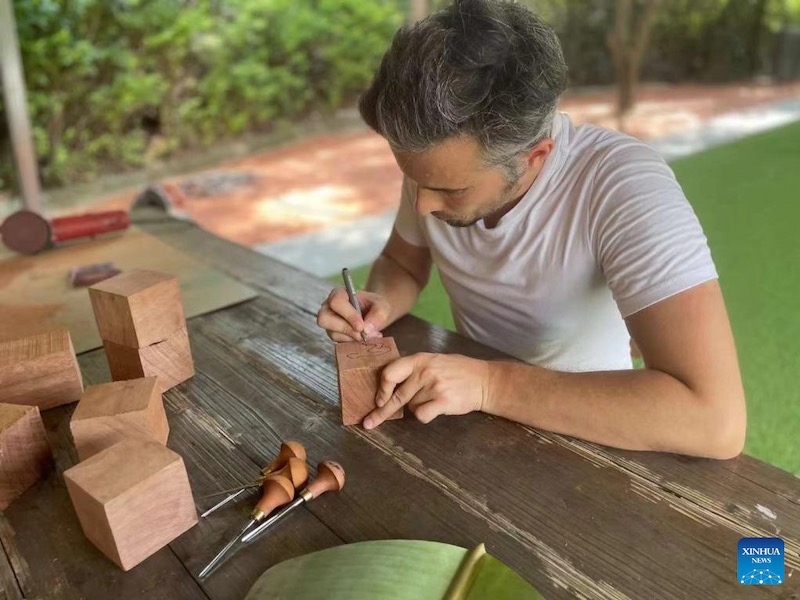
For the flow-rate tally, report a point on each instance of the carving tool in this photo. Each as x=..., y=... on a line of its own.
x=330, y=478
x=351, y=293
x=279, y=489
x=288, y=450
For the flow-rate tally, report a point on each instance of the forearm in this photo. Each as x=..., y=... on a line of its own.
x=401, y=289
x=636, y=410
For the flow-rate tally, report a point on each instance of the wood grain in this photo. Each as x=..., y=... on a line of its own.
x=137, y=308
x=14, y=583
x=170, y=360
x=39, y=369
x=24, y=451
x=132, y=499
x=358, y=367
x=111, y=412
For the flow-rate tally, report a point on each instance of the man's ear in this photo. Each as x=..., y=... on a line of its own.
x=539, y=153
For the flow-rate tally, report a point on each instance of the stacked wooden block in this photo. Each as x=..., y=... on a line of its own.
x=113, y=412
x=38, y=371
x=132, y=499
x=131, y=493
x=140, y=318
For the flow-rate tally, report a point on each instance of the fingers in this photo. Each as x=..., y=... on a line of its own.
x=428, y=411
x=393, y=374
x=376, y=313
x=343, y=323
x=339, y=318
x=398, y=387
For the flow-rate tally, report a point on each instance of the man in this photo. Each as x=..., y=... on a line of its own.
x=555, y=244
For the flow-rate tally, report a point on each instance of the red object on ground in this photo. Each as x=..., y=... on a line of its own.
x=88, y=225
x=27, y=232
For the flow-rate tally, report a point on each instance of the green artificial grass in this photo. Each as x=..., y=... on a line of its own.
x=747, y=196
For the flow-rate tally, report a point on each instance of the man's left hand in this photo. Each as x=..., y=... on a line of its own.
x=431, y=385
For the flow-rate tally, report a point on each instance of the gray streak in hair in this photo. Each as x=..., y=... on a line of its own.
x=488, y=69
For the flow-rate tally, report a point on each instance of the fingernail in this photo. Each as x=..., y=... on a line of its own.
x=369, y=328
x=369, y=423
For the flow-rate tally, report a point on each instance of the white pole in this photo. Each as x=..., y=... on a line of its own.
x=17, y=110
x=418, y=10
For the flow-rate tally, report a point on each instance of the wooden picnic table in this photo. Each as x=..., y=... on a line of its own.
x=573, y=518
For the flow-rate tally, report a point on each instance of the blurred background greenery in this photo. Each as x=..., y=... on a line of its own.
x=113, y=84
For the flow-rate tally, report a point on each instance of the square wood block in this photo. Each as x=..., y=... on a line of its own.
x=132, y=499
x=24, y=450
x=137, y=308
x=359, y=367
x=40, y=369
x=112, y=412
x=170, y=360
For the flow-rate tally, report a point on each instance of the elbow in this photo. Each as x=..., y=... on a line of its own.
x=727, y=447
x=725, y=434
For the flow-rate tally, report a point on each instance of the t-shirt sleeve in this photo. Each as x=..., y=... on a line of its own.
x=646, y=236
x=406, y=223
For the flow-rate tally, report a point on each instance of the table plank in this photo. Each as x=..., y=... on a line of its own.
x=13, y=580
x=375, y=501
x=594, y=515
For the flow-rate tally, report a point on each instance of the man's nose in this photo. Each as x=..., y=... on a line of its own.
x=426, y=202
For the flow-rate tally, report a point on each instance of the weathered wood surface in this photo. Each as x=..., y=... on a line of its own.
x=573, y=518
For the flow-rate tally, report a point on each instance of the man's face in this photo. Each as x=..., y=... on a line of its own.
x=454, y=185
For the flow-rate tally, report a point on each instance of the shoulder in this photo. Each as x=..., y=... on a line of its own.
x=611, y=152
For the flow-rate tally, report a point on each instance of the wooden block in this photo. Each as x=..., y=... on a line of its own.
x=40, y=369
x=132, y=499
x=359, y=367
x=112, y=412
x=24, y=450
x=137, y=308
x=170, y=361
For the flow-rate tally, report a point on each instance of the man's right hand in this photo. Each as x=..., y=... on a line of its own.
x=341, y=320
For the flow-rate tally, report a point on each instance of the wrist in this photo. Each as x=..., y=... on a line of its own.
x=489, y=391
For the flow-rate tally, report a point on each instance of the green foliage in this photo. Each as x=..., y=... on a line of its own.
x=697, y=40
x=106, y=77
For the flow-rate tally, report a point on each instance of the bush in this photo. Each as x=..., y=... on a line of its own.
x=106, y=76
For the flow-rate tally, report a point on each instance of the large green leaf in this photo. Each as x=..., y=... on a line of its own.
x=388, y=569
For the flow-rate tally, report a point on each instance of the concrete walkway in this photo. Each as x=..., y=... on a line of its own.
x=359, y=241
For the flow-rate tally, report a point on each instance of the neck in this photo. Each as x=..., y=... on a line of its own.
x=517, y=193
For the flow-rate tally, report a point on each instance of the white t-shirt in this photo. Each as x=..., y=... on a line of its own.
x=603, y=232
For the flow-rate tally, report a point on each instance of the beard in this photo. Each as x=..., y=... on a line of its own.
x=454, y=221
x=508, y=195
